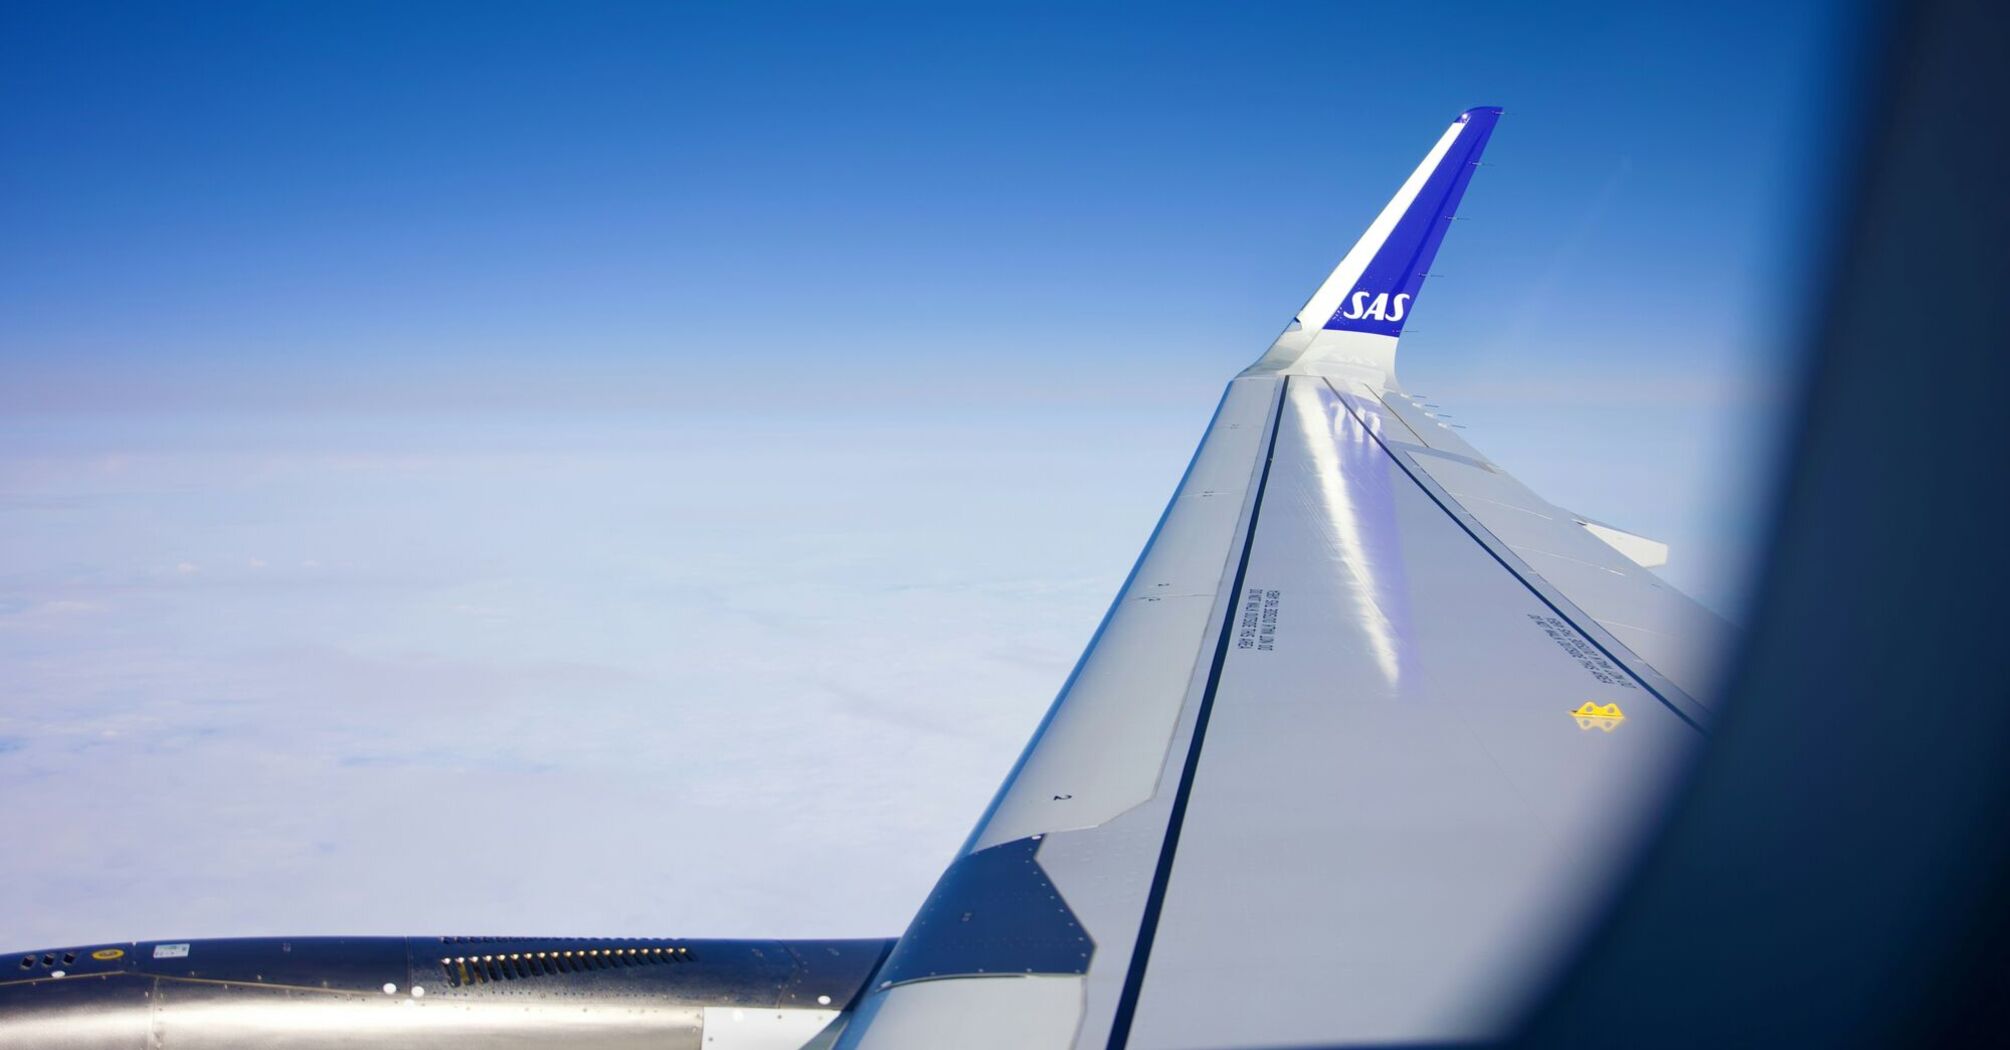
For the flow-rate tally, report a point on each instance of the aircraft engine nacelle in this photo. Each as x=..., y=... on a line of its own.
x=310, y=993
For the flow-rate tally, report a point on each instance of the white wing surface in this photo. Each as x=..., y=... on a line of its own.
x=1359, y=747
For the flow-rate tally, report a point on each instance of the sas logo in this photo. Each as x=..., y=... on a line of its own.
x=1382, y=307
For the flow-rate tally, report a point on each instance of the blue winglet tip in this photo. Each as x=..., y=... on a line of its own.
x=1381, y=297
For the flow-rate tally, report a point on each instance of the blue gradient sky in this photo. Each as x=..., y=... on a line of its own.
x=508, y=423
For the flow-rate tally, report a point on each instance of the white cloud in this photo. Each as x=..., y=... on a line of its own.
x=774, y=668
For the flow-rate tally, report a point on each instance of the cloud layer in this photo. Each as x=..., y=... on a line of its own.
x=702, y=676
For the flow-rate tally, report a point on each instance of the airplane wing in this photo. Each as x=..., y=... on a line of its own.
x=1356, y=752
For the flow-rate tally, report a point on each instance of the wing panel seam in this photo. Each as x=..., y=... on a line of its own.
x=1512, y=571
x=1127, y=1004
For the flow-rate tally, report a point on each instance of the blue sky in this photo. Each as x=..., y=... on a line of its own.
x=494, y=434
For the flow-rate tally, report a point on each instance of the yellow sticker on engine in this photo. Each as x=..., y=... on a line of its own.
x=108, y=954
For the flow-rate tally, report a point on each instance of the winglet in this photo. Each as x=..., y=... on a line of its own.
x=1374, y=288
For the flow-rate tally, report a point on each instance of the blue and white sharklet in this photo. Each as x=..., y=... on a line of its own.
x=1359, y=311
x=1325, y=775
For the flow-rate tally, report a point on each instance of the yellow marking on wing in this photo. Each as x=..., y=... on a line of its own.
x=1594, y=715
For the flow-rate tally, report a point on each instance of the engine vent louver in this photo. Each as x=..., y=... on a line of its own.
x=462, y=971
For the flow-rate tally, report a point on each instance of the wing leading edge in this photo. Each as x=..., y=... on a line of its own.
x=1356, y=749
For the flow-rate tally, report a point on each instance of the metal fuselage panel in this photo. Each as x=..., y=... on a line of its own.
x=311, y=993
